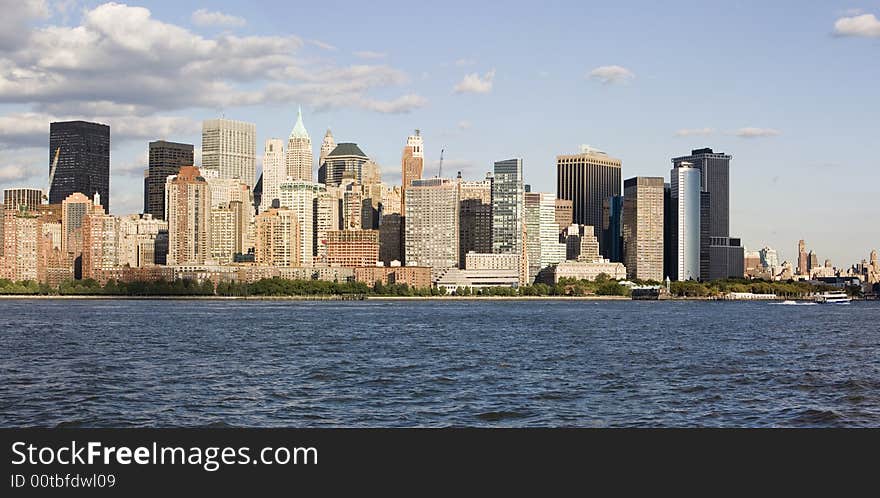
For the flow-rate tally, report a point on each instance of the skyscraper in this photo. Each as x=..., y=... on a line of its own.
x=83, y=151
x=327, y=146
x=100, y=243
x=165, y=158
x=432, y=217
x=230, y=147
x=298, y=158
x=612, y=229
x=715, y=237
x=475, y=224
x=542, y=244
x=507, y=207
x=412, y=164
x=347, y=160
x=643, y=228
x=803, y=259
x=587, y=179
x=300, y=197
x=22, y=198
x=188, y=208
x=277, y=238
x=274, y=172
x=686, y=232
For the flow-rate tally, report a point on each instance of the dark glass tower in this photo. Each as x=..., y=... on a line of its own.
x=166, y=158
x=83, y=160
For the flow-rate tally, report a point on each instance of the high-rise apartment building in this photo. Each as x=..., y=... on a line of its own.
x=100, y=243
x=328, y=217
x=83, y=152
x=274, y=172
x=507, y=207
x=230, y=148
x=22, y=243
x=542, y=233
x=138, y=236
x=685, y=195
x=432, y=218
x=587, y=179
x=643, y=228
x=188, y=208
x=229, y=230
x=298, y=158
x=74, y=208
x=22, y=198
x=612, y=229
x=277, y=240
x=165, y=159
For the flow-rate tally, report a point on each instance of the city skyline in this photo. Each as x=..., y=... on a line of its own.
x=474, y=107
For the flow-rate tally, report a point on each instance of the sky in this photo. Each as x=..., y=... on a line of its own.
x=788, y=88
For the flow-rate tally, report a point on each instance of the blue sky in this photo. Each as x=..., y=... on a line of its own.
x=790, y=89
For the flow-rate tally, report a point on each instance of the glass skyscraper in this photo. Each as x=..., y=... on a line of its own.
x=507, y=207
x=83, y=151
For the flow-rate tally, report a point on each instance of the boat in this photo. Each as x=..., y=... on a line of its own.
x=833, y=298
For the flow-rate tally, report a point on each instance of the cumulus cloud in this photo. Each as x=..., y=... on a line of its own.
x=751, y=132
x=324, y=45
x=204, y=17
x=474, y=83
x=122, y=61
x=369, y=54
x=15, y=21
x=865, y=25
x=611, y=74
x=694, y=132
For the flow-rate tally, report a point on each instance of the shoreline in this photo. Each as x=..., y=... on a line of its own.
x=349, y=298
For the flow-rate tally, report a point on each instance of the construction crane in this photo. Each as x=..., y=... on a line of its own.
x=440, y=173
x=51, y=175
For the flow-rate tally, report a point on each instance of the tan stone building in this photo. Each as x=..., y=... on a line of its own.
x=188, y=209
x=277, y=238
x=643, y=228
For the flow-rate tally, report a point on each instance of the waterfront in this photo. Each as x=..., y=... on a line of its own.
x=438, y=363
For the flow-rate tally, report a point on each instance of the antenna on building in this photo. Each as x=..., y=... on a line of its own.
x=440, y=173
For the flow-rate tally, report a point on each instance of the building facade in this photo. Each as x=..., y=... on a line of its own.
x=165, y=159
x=298, y=158
x=643, y=228
x=274, y=172
x=353, y=248
x=188, y=202
x=508, y=190
x=83, y=152
x=685, y=200
x=347, y=160
x=432, y=218
x=230, y=148
x=22, y=198
x=277, y=241
x=587, y=179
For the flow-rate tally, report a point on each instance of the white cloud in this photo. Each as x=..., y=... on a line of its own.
x=204, y=17
x=368, y=54
x=865, y=25
x=694, y=132
x=465, y=62
x=751, y=132
x=464, y=125
x=122, y=61
x=474, y=83
x=612, y=74
x=323, y=45
x=15, y=19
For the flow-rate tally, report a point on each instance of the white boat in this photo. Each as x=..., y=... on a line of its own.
x=833, y=298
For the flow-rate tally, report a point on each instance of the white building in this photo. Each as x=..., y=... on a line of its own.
x=686, y=187
x=274, y=171
x=300, y=196
x=137, y=239
x=432, y=220
x=298, y=157
x=327, y=146
x=588, y=271
x=230, y=147
x=542, y=233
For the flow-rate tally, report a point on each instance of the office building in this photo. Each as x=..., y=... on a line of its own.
x=229, y=231
x=686, y=197
x=507, y=207
x=230, y=148
x=165, y=159
x=327, y=146
x=300, y=197
x=347, y=160
x=542, y=233
x=643, y=228
x=274, y=172
x=298, y=157
x=612, y=229
x=581, y=244
x=587, y=179
x=83, y=153
x=188, y=208
x=412, y=164
x=22, y=198
x=564, y=214
x=475, y=224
